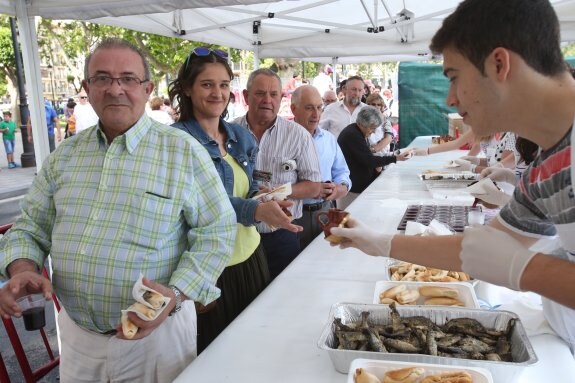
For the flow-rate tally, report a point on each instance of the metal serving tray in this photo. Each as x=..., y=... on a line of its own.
x=521, y=349
x=452, y=215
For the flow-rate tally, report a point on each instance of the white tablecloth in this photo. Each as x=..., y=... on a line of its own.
x=275, y=338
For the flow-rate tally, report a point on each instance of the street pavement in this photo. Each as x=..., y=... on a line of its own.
x=14, y=183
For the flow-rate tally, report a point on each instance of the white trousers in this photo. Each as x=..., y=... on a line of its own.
x=160, y=357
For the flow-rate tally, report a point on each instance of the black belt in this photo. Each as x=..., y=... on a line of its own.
x=315, y=206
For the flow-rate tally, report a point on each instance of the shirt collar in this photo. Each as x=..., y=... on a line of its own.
x=133, y=136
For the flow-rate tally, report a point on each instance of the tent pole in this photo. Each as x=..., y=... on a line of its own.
x=256, y=58
x=29, y=42
x=333, y=74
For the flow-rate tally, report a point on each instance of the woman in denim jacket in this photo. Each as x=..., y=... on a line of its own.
x=202, y=93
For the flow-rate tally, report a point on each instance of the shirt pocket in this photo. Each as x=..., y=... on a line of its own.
x=153, y=219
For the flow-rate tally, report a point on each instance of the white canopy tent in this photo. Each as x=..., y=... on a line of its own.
x=327, y=30
x=26, y=10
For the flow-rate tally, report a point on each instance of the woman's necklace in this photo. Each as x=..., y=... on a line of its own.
x=220, y=139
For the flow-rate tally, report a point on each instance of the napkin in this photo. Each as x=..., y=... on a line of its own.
x=435, y=228
x=487, y=191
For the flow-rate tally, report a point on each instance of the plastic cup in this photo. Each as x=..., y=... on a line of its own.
x=475, y=216
x=33, y=311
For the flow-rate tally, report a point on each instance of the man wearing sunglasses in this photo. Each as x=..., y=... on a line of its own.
x=85, y=114
x=125, y=198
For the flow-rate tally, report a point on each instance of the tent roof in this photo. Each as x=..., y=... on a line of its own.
x=315, y=28
x=321, y=29
x=90, y=9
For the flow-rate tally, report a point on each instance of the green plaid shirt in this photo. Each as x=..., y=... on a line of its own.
x=151, y=202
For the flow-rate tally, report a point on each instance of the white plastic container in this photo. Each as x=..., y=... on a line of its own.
x=380, y=367
x=465, y=290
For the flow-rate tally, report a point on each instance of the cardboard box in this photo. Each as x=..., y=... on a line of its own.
x=456, y=121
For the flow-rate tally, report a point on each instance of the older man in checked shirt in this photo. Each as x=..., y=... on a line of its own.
x=287, y=155
x=124, y=197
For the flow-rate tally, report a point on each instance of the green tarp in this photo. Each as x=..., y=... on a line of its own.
x=422, y=108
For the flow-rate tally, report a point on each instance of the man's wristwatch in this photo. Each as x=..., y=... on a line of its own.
x=178, y=294
x=345, y=184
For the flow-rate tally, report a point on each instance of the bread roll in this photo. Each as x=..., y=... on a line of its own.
x=405, y=375
x=129, y=329
x=392, y=292
x=438, y=291
x=406, y=297
x=362, y=376
x=387, y=301
x=144, y=310
x=443, y=301
x=449, y=377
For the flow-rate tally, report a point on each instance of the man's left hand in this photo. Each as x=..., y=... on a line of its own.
x=145, y=328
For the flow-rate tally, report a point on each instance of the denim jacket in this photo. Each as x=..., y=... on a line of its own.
x=244, y=149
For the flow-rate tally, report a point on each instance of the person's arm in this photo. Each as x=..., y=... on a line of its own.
x=305, y=189
x=57, y=128
x=29, y=130
x=551, y=277
x=466, y=138
x=339, y=174
x=212, y=230
x=358, y=149
x=382, y=144
x=308, y=183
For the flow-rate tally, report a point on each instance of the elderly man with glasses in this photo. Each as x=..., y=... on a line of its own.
x=125, y=198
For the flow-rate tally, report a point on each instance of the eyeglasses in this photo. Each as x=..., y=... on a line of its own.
x=203, y=52
x=380, y=105
x=83, y=98
x=102, y=81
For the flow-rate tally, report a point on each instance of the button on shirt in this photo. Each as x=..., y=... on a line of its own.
x=336, y=117
x=331, y=161
x=285, y=141
x=150, y=202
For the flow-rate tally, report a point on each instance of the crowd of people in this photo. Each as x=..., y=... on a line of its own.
x=181, y=193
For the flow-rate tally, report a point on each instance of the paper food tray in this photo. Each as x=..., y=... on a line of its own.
x=465, y=290
x=521, y=349
x=380, y=367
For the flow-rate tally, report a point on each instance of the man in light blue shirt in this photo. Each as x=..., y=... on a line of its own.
x=306, y=106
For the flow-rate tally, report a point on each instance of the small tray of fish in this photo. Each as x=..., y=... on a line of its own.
x=379, y=369
x=426, y=293
x=452, y=215
x=440, y=175
x=436, y=335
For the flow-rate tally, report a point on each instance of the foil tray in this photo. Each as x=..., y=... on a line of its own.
x=452, y=215
x=452, y=176
x=521, y=349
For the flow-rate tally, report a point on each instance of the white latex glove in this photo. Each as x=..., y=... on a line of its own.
x=420, y=152
x=494, y=256
x=464, y=165
x=498, y=174
x=364, y=238
x=474, y=160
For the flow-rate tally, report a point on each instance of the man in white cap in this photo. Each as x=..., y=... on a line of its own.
x=322, y=82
